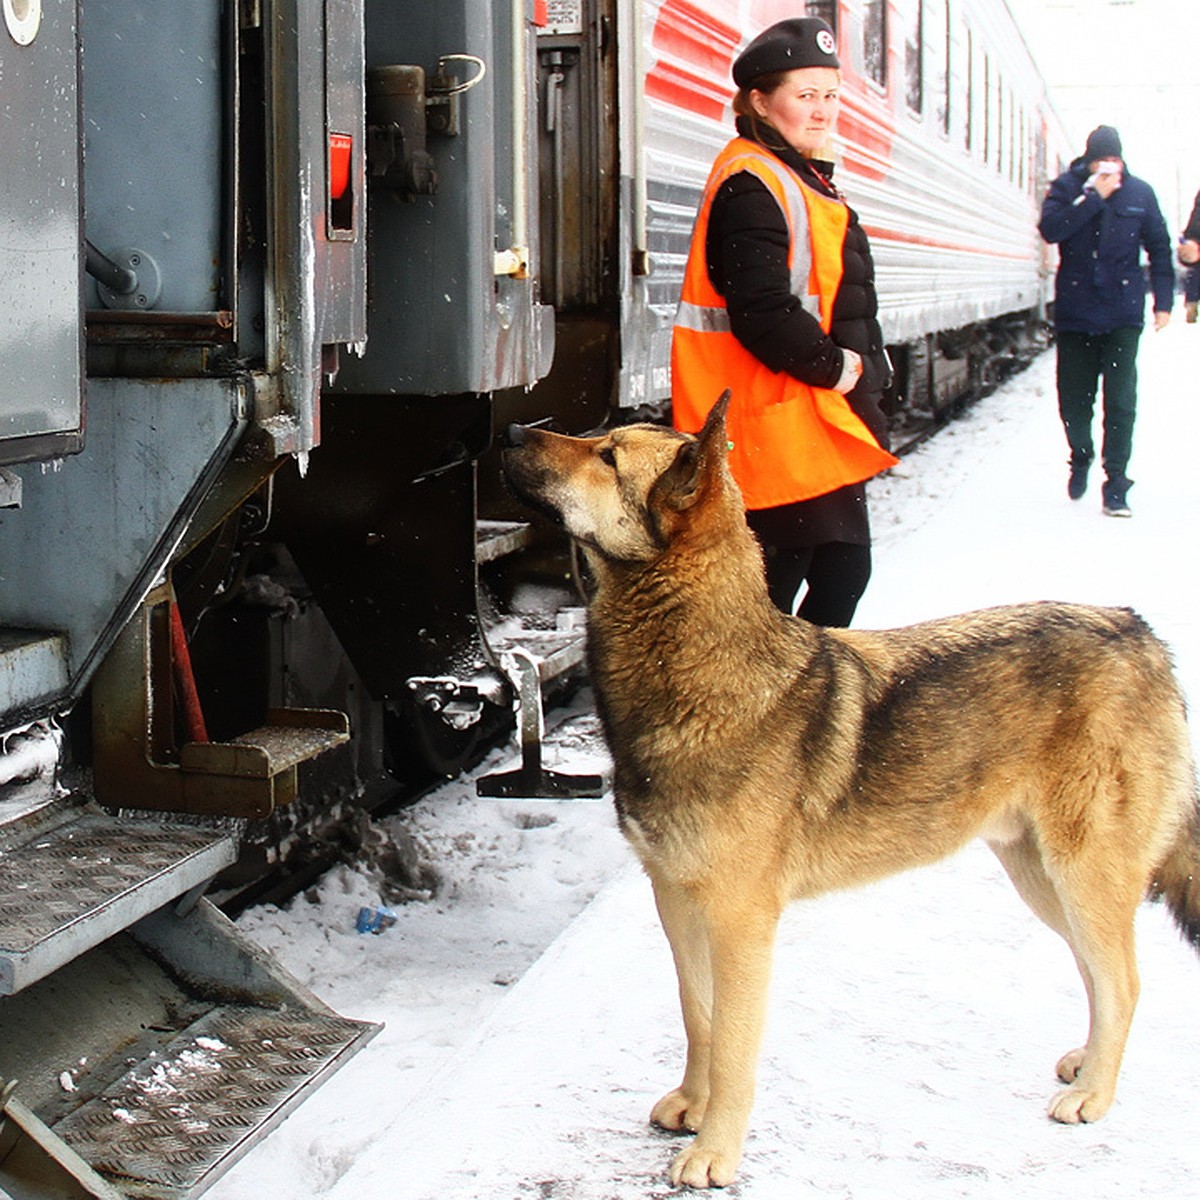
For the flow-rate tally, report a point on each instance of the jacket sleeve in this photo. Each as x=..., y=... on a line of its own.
x=1067, y=208
x=747, y=255
x=1192, y=229
x=1157, y=241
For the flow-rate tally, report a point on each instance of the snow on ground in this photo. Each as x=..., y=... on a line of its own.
x=529, y=1007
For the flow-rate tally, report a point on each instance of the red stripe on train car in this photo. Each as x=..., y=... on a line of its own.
x=689, y=33
x=696, y=53
x=878, y=234
x=673, y=85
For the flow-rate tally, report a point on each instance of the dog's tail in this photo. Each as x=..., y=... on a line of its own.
x=1177, y=880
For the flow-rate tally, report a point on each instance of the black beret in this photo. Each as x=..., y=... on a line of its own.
x=798, y=42
x=1103, y=142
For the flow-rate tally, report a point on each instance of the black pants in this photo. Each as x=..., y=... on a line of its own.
x=1083, y=359
x=836, y=573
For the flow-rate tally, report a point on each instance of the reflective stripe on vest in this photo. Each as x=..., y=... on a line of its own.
x=715, y=318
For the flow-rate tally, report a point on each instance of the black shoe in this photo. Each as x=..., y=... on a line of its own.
x=1115, y=504
x=1077, y=484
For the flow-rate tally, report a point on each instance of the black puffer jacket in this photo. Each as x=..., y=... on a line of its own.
x=747, y=257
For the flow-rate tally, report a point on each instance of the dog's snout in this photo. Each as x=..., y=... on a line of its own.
x=513, y=436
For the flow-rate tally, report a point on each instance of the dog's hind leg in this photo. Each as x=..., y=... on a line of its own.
x=1100, y=912
x=1093, y=909
x=683, y=1108
x=1023, y=862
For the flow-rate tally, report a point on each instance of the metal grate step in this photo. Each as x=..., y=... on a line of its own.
x=177, y=1120
x=71, y=878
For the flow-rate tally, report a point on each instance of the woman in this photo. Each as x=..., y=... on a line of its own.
x=779, y=305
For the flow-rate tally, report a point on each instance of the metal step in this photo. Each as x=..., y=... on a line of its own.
x=495, y=539
x=557, y=644
x=182, y=1116
x=72, y=876
x=157, y=1060
x=33, y=670
x=253, y=774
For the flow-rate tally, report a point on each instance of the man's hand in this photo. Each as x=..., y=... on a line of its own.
x=1188, y=252
x=1160, y=320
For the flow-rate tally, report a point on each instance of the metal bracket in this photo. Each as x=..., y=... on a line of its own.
x=532, y=781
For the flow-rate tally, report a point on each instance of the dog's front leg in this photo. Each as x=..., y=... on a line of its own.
x=682, y=1109
x=740, y=943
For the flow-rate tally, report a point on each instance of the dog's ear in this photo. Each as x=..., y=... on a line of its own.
x=714, y=424
x=682, y=483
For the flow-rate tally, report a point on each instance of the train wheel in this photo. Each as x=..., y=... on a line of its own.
x=420, y=743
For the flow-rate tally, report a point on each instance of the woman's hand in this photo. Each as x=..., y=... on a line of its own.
x=852, y=370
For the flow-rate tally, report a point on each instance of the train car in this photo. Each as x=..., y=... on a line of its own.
x=274, y=273
x=946, y=142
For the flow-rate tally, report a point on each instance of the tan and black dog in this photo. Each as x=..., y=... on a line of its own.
x=759, y=759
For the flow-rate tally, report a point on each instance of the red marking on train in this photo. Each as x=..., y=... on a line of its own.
x=683, y=89
x=689, y=34
x=877, y=233
x=340, y=145
x=866, y=126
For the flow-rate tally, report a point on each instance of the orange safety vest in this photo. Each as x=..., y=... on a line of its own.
x=789, y=441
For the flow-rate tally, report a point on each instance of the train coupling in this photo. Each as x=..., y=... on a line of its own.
x=459, y=703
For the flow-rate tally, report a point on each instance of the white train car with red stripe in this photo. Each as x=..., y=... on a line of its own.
x=945, y=144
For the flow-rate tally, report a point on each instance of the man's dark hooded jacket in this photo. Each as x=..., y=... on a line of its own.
x=1100, y=286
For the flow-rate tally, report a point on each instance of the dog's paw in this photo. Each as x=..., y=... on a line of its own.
x=702, y=1166
x=679, y=1113
x=1078, y=1105
x=1070, y=1065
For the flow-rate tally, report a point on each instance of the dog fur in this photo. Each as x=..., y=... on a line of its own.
x=759, y=759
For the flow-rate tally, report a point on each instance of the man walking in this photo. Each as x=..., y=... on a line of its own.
x=1101, y=218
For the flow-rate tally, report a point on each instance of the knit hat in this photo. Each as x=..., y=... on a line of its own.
x=1103, y=142
x=797, y=42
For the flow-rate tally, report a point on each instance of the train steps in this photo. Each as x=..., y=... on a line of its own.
x=533, y=652
x=33, y=668
x=145, y=1046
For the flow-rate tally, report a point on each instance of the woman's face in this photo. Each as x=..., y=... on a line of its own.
x=803, y=108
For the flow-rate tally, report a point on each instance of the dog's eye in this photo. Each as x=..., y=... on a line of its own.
x=608, y=455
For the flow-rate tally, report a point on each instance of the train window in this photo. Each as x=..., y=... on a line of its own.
x=875, y=41
x=999, y=122
x=910, y=13
x=1012, y=136
x=987, y=108
x=937, y=38
x=825, y=9
x=1022, y=165
x=969, y=106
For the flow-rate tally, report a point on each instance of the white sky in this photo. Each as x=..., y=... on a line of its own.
x=1130, y=64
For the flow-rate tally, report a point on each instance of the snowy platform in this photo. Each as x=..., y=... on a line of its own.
x=531, y=1011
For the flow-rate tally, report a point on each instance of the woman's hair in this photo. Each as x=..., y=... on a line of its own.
x=763, y=130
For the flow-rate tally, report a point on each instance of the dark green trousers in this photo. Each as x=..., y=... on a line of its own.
x=1083, y=360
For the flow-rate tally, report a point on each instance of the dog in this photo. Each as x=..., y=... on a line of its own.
x=759, y=759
